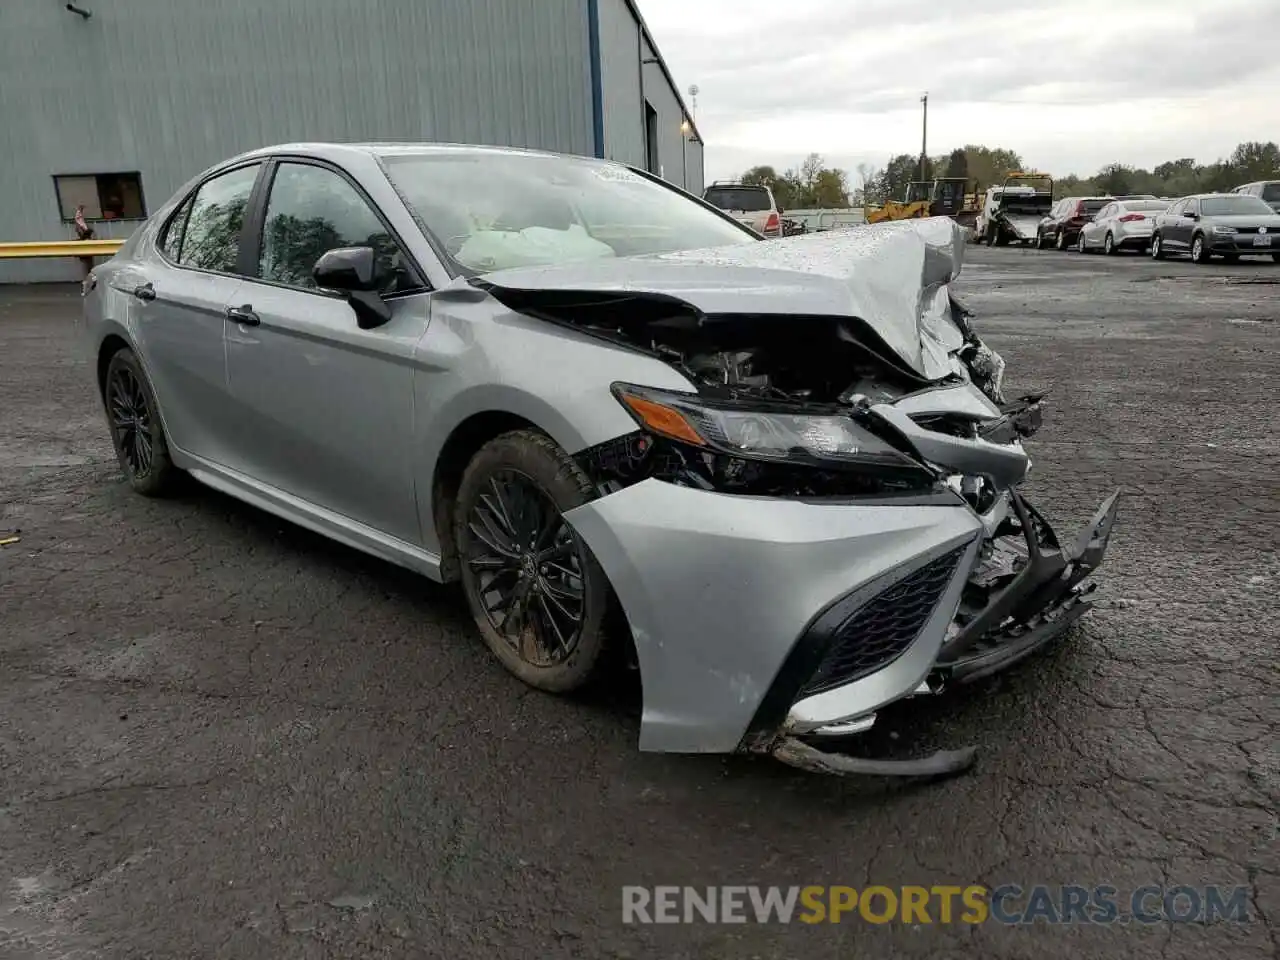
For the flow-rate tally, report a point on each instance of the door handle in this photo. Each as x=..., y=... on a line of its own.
x=145, y=291
x=243, y=315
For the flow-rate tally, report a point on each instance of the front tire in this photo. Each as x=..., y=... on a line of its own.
x=1157, y=247
x=538, y=595
x=1200, y=250
x=1080, y=247
x=137, y=433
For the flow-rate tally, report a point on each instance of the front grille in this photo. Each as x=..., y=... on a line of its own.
x=879, y=631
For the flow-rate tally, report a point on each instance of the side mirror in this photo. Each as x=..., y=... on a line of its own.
x=354, y=271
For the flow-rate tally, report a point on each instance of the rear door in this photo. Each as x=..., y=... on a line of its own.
x=178, y=312
x=1095, y=230
x=325, y=409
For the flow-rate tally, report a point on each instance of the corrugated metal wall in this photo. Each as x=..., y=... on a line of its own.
x=680, y=160
x=168, y=87
x=627, y=82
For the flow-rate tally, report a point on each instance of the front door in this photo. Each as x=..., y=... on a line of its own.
x=325, y=408
x=1178, y=234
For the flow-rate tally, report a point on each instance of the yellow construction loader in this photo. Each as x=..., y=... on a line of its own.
x=943, y=197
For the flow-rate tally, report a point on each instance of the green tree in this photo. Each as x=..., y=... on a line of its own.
x=897, y=176
x=830, y=189
x=1116, y=178
x=957, y=164
x=784, y=190
x=990, y=165
x=1255, y=161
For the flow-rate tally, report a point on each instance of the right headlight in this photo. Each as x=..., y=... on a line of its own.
x=758, y=432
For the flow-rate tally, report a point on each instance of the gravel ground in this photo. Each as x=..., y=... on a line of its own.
x=222, y=736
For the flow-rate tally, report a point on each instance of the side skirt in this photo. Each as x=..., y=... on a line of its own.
x=335, y=526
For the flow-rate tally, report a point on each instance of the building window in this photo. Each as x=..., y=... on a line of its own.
x=106, y=196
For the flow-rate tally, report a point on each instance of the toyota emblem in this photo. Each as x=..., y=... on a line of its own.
x=1262, y=229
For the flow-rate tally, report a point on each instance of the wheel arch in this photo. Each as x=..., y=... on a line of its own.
x=111, y=344
x=463, y=442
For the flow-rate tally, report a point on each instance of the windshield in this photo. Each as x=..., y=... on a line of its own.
x=1271, y=191
x=1093, y=206
x=737, y=198
x=1233, y=206
x=492, y=211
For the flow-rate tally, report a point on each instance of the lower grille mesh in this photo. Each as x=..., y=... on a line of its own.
x=883, y=628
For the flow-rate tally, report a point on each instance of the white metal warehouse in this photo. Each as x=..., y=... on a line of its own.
x=116, y=103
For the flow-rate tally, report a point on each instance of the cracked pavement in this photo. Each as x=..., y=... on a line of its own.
x=223, y=736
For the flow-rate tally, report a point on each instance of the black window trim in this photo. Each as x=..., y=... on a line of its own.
x=255, y=223
x=163, y=233
x=142, y=196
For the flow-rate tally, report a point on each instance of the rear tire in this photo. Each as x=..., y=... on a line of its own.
x=538, y=595
x=1275, y=258
x=1200, y=250
x=1109, y=245
x=1061, y=241
x=137, y=434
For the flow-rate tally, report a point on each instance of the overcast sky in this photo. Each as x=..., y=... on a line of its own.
x=1069, y=84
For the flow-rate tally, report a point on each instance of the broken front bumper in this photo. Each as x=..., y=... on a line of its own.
x=759, y=621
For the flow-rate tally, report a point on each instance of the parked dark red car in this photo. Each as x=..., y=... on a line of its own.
x=1061, y=227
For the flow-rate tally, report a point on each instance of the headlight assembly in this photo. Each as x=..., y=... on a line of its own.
x=828, y=440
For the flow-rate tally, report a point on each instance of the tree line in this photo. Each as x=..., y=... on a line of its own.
x=814, y=184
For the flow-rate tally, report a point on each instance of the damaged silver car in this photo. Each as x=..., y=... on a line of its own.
x=783, y=471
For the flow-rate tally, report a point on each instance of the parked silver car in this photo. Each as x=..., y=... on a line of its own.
x=1120, y=225
x=783, y=470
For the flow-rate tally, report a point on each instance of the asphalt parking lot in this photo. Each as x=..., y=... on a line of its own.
x=222, y=736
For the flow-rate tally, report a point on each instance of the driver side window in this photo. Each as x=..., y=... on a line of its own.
x=312, y=210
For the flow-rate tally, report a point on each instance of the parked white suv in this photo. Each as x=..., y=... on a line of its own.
x=750, y=204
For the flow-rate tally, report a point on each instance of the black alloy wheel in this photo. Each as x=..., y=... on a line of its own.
x=136, y=429
x=538, y=595
x=131, y=422
x=528, y=567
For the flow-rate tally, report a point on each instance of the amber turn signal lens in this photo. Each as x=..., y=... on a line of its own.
x=663, y=419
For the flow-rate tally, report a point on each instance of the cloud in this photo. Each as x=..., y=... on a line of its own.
x=1131, y=78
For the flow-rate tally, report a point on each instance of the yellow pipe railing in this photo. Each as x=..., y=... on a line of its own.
x=60, y=248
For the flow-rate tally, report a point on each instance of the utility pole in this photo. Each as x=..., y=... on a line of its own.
x=924, y=139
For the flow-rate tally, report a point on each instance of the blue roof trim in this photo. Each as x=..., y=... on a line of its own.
x=597, y=84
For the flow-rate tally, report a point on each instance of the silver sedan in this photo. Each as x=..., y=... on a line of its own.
x=1121, y=225
x=779, y=474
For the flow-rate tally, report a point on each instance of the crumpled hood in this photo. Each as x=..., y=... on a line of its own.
x=892, y=276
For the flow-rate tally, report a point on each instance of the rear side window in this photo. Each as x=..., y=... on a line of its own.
x=211, y=240
x=737, y=198
x=171, y=244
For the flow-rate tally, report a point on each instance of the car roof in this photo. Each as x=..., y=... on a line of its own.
x=336, y=151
